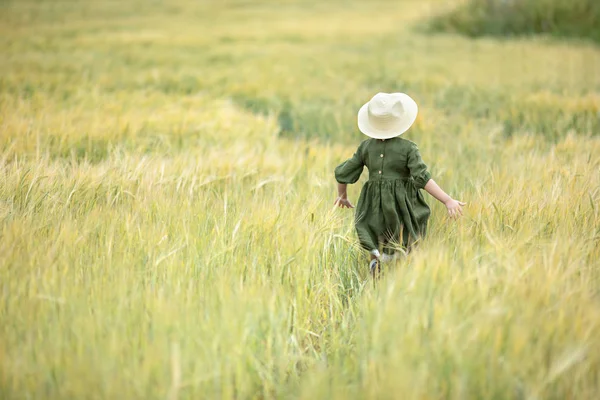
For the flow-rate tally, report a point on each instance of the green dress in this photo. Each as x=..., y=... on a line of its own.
x=390, y=203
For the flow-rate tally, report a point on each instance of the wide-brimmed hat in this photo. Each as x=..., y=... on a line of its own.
x=387, y=115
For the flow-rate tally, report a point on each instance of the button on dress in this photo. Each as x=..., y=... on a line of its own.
x=390, y=203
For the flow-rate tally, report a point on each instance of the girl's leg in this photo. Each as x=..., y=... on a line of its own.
x=389, y=249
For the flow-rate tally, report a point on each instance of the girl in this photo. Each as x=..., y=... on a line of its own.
x=390, y=202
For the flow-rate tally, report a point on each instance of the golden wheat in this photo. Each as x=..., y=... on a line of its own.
x=166, y=219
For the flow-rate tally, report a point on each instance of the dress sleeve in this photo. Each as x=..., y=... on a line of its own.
x=418, y=169
x=349, y=171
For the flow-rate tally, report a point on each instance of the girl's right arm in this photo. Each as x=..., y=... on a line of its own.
x=454, y=207
x=422, y=178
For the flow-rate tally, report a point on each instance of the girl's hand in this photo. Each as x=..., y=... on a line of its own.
x=454, y=208
x=343, y=202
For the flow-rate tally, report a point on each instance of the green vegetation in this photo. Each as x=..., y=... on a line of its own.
x=166, y=220
x=570, y=18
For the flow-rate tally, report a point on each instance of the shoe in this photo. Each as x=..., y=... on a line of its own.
x=375, y=268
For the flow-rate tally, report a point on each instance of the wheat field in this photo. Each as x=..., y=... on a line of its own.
x=167, y=228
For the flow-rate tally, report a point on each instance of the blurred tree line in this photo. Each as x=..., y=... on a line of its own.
x=569, y=18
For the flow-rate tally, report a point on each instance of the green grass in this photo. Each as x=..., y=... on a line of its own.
x=166, y=220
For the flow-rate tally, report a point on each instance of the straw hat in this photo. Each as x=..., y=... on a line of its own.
x=387, y=115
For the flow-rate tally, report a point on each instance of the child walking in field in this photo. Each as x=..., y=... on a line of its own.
x=390, y=203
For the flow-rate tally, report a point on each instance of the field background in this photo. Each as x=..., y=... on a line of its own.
x=166, y=220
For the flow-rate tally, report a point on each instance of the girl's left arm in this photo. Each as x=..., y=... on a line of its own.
x=346, y=173
x=342, y=199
